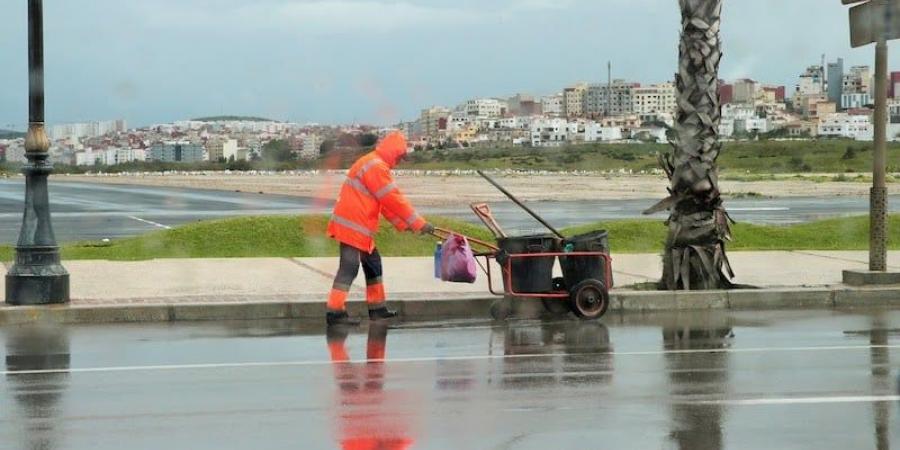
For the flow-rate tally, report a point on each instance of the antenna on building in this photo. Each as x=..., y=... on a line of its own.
x=608, y=88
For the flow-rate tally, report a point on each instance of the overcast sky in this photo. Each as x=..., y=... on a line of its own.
x=377, y=61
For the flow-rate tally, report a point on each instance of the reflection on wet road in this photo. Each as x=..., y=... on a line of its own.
x=690, y=381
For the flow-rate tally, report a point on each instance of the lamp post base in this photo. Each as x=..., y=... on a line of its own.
x=37, y=278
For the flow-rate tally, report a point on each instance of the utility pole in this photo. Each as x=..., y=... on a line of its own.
x=878, y=208
x=37, y=277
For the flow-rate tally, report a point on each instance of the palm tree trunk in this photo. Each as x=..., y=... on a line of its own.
x=698, y=224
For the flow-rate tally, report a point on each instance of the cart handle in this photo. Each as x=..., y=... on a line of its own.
x=443, y=233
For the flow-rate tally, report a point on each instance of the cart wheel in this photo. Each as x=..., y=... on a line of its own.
x=589, y=299
x=501, y=308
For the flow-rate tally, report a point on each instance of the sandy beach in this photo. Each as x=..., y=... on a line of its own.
x=446, y=189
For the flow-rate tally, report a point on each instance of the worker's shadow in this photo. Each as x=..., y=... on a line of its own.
x=368, y=417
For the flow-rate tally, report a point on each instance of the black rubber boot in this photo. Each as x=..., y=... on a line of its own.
x=340, y=318
x=382, y=313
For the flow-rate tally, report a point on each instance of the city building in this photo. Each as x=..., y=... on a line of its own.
x=312, y=145
x=552, y=105
x=549, y=132
x=858, y=81
x=770, y=94
x=181, y=151
x=812, y=81
x=856, y=100
x=835, y=84
x=595, y=132
x=845, y=125
x=573, y=100
x=221, y=149
x=803, y=129
x=483, y=108
x=654, y=99
x=894, y=85
x=613, y=99
x=433, y=121
x=86, y=129
x=524, y=105
x=726, y=93
x=744, y=91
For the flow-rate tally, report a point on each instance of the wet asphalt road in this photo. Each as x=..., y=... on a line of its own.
x=83, y=211
x=825, y=380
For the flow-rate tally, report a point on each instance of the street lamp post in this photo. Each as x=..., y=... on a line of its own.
x=37, y=277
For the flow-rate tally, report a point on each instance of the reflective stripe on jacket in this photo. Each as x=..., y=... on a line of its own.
x=368, y=192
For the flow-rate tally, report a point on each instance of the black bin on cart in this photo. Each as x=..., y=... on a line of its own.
x=530, y=274
x=576, y=269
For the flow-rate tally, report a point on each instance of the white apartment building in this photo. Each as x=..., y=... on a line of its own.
x=726, y=128
x=549, y=132
x=221, y=148
x=844, y=125
x=86, y=158
x=15, y=151
x=738, y=112
x=595, y=132
x=312, y=144
x=752, y=125
x=610, y=100
x=552, y=105
x=458, y=120
x=109, y=156
x=654, y=99
x=483, y=108
x=515, y=123
x=113, y=156
x=86, y=129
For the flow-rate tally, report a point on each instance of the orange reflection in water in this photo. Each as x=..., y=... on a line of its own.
x=368, y=417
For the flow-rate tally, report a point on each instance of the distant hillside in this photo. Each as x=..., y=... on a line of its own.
x=233, y=118
x=8, y=134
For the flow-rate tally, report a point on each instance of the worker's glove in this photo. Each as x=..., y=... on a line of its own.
x=427, y=229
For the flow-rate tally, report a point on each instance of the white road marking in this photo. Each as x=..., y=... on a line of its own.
x=798, y=400
x=760, y=208
x=427, y=359
x=158, y=225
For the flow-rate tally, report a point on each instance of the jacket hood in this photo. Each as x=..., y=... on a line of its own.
x=392, y=148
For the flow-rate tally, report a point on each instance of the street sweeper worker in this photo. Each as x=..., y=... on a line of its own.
x=368, y=193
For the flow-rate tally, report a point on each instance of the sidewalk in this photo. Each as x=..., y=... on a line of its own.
x=184, y=289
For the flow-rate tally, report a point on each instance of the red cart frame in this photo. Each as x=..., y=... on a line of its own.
x=506, y=268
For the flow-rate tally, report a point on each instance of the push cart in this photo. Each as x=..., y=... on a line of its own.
x=527, y=273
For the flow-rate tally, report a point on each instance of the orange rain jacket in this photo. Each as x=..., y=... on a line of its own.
x=369, y=192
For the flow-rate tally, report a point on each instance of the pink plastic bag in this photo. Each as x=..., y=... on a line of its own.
x=457, y=260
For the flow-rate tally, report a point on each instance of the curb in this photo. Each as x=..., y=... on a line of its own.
x=443, y=305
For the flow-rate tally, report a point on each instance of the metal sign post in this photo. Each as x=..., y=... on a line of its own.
x=876, y=21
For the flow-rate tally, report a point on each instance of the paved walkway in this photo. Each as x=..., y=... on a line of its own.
x=309, y=279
